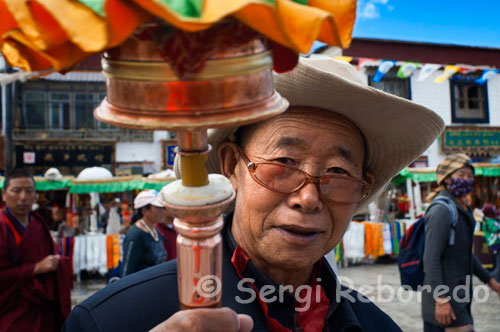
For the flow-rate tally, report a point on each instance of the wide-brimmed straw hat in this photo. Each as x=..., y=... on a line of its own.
x=396, y=130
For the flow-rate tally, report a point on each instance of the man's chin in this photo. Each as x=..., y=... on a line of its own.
x=21, y=210
x=295, y=261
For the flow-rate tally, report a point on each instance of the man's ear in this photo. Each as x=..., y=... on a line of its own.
x=369, y=177
x=229, y=156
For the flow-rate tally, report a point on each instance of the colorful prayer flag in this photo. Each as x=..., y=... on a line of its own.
x=487, y=74
x=427, y=71
x=383, y=69
x=448, y=72
x=347, y=59
x=466, y=69
x=407, y=69
x=363, y=62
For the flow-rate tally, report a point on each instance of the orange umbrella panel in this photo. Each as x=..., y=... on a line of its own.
x=44, y=34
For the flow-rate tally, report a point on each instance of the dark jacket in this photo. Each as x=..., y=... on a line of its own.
x=447, y=265
x=144, y=299
x=141, y=251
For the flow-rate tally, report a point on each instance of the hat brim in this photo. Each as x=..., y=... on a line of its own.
x=157, y=203
x=396, y=130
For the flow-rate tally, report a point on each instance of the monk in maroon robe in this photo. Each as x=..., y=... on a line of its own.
x=35, y=282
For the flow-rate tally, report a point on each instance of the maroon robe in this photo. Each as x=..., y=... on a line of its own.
x=27, y=302
x=169, y=240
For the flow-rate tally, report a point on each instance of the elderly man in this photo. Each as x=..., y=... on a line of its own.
x=35, y=281
x=299, y=178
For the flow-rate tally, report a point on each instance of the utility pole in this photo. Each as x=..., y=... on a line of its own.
x=7, y=106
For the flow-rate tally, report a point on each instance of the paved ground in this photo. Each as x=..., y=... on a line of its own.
x=82, y=290
x=407, y=313
x=405, y=310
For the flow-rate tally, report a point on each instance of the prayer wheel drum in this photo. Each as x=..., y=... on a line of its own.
x=234, y=87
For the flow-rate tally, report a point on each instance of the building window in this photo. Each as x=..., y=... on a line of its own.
x=102, y=125
x=34, y=113
x=469, y=101
x=59, y=110
x=62, y=110
x=392, y=84
x=84, y=115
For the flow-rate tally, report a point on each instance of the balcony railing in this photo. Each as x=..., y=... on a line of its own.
x=120, y=135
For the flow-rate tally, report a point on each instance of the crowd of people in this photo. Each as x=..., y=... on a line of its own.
x=35, y=280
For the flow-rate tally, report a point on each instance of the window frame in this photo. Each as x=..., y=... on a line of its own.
x=25, y=111
x=88, y=104
x=392, y=76
x=463, y=80
x=102, y=125
x=50, y=102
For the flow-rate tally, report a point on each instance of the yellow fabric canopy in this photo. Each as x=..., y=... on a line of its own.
x=43, y=34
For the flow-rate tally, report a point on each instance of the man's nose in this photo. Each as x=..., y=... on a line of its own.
x=23, y=195
x=307, y=198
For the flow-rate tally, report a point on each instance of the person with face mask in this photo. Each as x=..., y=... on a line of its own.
x=447, y=293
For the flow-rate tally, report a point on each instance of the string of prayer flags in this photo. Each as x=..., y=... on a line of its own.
x=363, y=62
x=427, y=70
x=448, y=72
x=347, y=59
x=466, y=69
x=407, y=69
x=383, y=69
x=487, y=74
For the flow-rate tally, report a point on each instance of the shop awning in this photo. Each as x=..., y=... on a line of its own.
x=42, y=184
x=428, y=174
x=116, y=184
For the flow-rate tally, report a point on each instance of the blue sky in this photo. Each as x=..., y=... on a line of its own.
x=458, y=22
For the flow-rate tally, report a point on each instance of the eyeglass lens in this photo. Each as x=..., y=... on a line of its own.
x=286, y=179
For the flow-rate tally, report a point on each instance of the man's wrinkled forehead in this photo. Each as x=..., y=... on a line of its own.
x=278, y=137
x=285, y=142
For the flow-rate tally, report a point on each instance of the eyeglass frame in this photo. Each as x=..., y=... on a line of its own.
x=252, y=166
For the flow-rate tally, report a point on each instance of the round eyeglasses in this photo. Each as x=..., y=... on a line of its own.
x=286, y=179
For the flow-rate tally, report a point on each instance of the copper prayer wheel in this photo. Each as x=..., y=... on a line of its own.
x=234, y=87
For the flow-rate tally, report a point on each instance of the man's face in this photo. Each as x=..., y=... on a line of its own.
x=295, y=230
x=19, y=196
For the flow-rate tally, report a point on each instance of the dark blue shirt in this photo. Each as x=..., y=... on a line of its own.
x=141, y=251
x=141, y=301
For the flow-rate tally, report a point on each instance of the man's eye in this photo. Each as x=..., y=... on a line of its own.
x=337, y=170
x=286, y=161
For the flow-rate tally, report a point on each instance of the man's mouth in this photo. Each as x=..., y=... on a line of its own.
x=299, y=234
